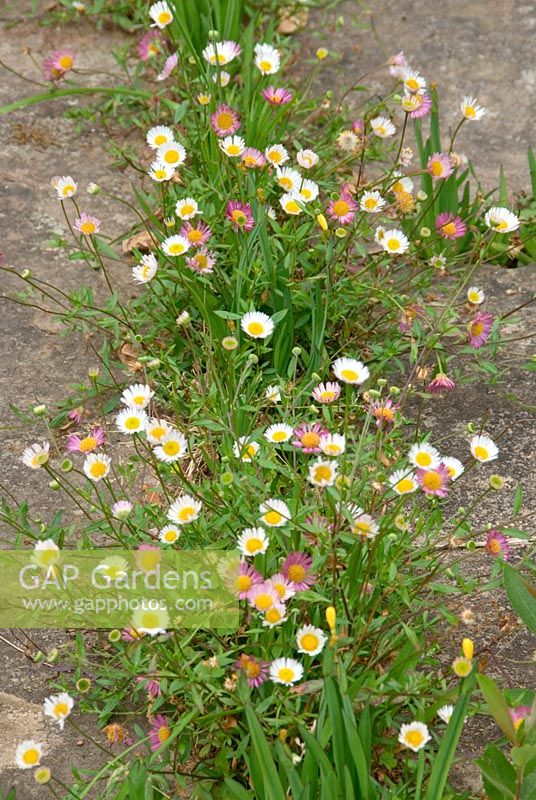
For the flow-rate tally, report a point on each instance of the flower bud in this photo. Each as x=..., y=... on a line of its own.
x=66, y=465
x=114, y=636
x=394, y=390
x=40, y=410
x=183, y=319
x=496, y=482
x=340, y=233
x=296, y=351
x=229, y=343
x=331, y=617
x=425, y=233
x=468, y=648
x=322, y=221
x=227, y=478
x=53, y=655
x=92, y=188
x=93, y=373
x=54, y=485
x=25, y=274
x=422, y=196
x=83, y=685
x=253, y=358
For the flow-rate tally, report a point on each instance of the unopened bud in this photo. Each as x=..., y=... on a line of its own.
x=468, y=648
x=331, y=617
x=40, y=410
x=496, y=482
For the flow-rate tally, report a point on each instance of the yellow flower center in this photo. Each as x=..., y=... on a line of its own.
x=164, y=17
x=160, y=173
x=436, y=168
x=323, y=473
x=371, y=203
x=309, y=642
x=132, y=423
x=310, y=439
x=233, y=150
x=224, y=120
x=477, y=328
x=163, y=733
x=470, y=111
x=266, y=66
x=361, y=527
x=328, y=396
x=273, y=517
x=279, y=436
x=264, y=601
x=380, y=130
x=160, y=138
x=349, y=374
x=98, y=469
x=66, y=62
x=88, y=228
x=67, y=190
x=158, y=432
x=494, y=546
x=414, y=738
x=243, y=583
x=186, y=514
x=341, y=208
x=170, y=536
x=187, y=209
x=31, y=756
x=481, y=452
x=88, y=444
x=253, y=545
x=176, y=249
x=286, y=674
x=286, y=183
x=332, y=448
x=393, y=244
x=412, y=84
x=296, y=573
x=252, y=669
x=292, y=207
x=150, y=620
x=171, y=448
x=404, y=485
x=449, y=229
x=423, y=459
x=238, y=217
x=432, y=480
x=255, y=328
x=306, y=193
x=171, y=157
x=275, y=156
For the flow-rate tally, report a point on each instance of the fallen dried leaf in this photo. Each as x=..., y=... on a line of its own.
x=142, y=241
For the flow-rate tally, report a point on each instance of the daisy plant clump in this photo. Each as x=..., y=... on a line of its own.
x=294, y=292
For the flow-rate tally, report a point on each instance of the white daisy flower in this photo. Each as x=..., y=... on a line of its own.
x=371, y=202
x=415, y=736
x=454, y=467
x=184, y=510
x=350, y=370
x=65, y=187
x=36, y=455
x=307, y=158
x=286, y=671
x=475, y=295
x=187, y=208
x=379, y=234
x=278, y=433
x=221, y=53
x=161, y=15
x=161, y=172
x=275, y=615
x=253, y=541
x=131, y=421
x=58, y=706
x=172, y=447
x=150, y=621
x=159, y=135
x=46, y=552
x=156, y=430
x=382, y=127
x=424, y=455
x=267, y=59
x=146, y=269
x=274, y=513
x=97, y=466
x=364, y=525
x=402, y=184
x=172, y=153
x=413, y=81
x=288, y=179
x=334, y=444
x=169, y=534
x=245, y=449
x=276, y=154
x=501, y=220
x=310, y=640
x=445, y=713
x=257, y=324
x=273, y=394
x=175, y=245
x=322, y=473
x=290, y=203
x=28, y=754
x=395, y=242
x=232, y=146
x=484, y=449
x=137, y=395
x=308, y=190
x=470, y=110
x=403, y=482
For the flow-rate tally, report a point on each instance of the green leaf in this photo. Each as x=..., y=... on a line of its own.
x=447, y=750
x=518, y=499
x=271, y=788
x=528, y=788
x=522, y=596
x=497, y=705
x=498, y=774
x=236, y=790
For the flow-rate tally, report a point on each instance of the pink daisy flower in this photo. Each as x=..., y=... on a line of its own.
x=203, y=261
x=439, y=166
x=327, y=392
x=76, y=414
x=57, y=64
x=449, y=226
x=262, y=597
x=497, y=545
x=396, y=64
x=384, y=411
x=284, y=588
x=169, y=65
x=307, y=437
x=424, y=108
x=247, y=578
x=225, y=120
x=277, y=97
x=159, y=732
x=434, y=482
x=151, y=686
x=297, y=569
x=86, y=444
x=87, y=224
x=358, y=126
x=240, y=215
x=197, y=234
x=149, y=46
x=252, y=158
x=343, y=209
x=519, y=714
x=256, y=671
x=479, y=329
x=441, y=383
